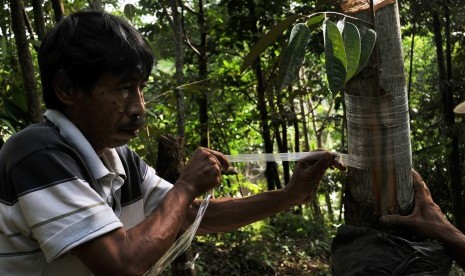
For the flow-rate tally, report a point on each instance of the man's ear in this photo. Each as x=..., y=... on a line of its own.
x=63, y=87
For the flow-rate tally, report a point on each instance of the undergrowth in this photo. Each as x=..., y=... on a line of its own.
x=286, y=244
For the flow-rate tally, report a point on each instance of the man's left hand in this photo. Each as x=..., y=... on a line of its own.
x=308, y=173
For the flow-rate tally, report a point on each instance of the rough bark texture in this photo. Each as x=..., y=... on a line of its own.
x=25, y=59
x=385, y=186
x=170, y=163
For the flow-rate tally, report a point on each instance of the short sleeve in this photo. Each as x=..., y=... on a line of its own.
x=59, y=205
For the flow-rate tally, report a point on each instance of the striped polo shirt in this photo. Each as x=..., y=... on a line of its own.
x=56, y=193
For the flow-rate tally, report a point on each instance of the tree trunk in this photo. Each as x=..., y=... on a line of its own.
x=203, y=73
x=271, y=171
x=329, y=206
x=169, y=167
x=304, y=125
x=179, y=63
x=58, y=10
x=378, y=129
x=179, y=266
x=25, y=59
x=39, y=21
x=452, y=151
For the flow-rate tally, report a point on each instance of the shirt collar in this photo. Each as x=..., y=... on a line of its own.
x=75, y=137
x=112, y=161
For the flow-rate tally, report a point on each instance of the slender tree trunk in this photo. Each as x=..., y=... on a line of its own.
x=39, y=21
x=58, y=10
x=329, y=206
x=25, y=59
x=169, y=167
x=203, y=73
x=179, y=266
x=179, y=63
x=304, y=125
x=378, y=94
x=453, y=157
x=27, y=23
x=271, y=168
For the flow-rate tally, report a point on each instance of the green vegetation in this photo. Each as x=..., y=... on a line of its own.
x=260, y=97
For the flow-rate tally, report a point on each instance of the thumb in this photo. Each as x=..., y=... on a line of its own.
x=392, y=220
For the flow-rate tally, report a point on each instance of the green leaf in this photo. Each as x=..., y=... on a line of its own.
x=4, y=48
x=293, y=56
x=313, y=21
x=193, y=88
x=335, y=56
x=130, y=11
x=352, y=45
x=368, y=37
x=269, y=38
x=6, y=122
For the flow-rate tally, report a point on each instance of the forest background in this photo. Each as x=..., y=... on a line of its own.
x=198, y=94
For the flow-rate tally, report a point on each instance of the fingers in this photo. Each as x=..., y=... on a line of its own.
x=222, y=161
x=419, y=186
x=392, y=220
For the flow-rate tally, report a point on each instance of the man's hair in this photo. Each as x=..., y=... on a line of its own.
x=88, y=44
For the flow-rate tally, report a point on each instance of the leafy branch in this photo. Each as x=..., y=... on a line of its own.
x=347, y=47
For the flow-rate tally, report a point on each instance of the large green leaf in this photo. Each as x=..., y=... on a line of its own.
x=129, y=11
x=352, y=45
x=368, y=37
x=269, y=38
x=293, y=56
x=314, y=20
x=335, y=56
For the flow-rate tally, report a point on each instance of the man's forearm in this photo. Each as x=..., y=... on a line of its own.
x=134, y=251
x=228, y=214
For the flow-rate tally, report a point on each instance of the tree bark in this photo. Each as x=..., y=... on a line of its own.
x=39, y=21
x=58, y=10
x=271, y=171
x=179, y=64
x=25, y=59
x=384, y=185
x=170, y=163
x=203, y=73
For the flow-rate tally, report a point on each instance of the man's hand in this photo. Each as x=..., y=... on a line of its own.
x=427, y=219
x=203, y=170
x=308, y=173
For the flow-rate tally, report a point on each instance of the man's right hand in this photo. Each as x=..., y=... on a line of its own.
x=203, y=170
x=427, y=219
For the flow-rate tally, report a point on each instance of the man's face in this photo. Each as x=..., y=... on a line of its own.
x=112, y=113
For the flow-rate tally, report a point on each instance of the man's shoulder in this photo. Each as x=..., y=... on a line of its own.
x=33, y=138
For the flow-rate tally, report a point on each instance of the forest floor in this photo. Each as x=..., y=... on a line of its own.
x=251, y=260
x=287, y=245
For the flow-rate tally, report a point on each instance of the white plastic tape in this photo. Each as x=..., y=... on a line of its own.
x=345, y=159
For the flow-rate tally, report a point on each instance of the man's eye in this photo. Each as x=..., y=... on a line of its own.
x=124, y=89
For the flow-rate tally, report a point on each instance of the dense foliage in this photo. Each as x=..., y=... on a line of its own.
x=300, y=117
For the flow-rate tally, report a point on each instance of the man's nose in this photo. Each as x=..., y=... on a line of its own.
x=136, y=105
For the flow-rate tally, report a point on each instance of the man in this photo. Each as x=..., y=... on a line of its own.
x=75, y=200
x=427, y=219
